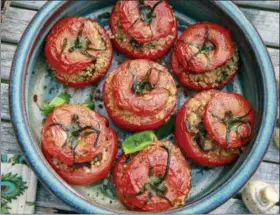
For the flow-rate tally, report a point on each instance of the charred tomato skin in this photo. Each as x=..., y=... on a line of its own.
x=70, y=67
x=192, y=41
x=72, y=163
x=183, y=76
x=130, y=175
x=219, y=105
x=191, y=148
x=132, y=52
x=127, y=112
x=159, y=26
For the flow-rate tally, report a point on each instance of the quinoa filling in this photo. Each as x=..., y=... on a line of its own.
x=101, y=62
x=199, y=135
x=218, y=75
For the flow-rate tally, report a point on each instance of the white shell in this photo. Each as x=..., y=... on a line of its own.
x=259, y=197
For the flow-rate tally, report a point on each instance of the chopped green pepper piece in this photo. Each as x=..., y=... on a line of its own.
x=138, y=141
x=63, y=98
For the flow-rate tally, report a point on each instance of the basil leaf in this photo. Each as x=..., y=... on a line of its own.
x=108, y=188
x=166, y=129
x=138, y=141
x=63, y=98
x=278, y=123
x=89, y=104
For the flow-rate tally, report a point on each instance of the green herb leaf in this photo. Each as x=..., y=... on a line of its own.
x=63, y=98
x=89, y=103
x=166, y=129
x=138, y=141
x=108, y=188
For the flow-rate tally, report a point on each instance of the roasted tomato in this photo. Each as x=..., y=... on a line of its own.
x=215, y=78
x=192, y=136
x=78, y=50
x=153, y=49
x=78, y=143
x=155, y=179
x=139, y=95
x=229, y=119
x=146, y=21
x=204, y=46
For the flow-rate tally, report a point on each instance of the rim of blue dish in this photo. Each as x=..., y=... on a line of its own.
x=66, y=193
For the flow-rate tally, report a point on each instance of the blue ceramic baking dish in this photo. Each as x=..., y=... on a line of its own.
x=211, y=186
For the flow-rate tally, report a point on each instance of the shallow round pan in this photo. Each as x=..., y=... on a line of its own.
x=210, y=186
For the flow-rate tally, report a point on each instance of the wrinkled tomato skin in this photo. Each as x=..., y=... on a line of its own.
x=160, y=26
x=181, y=73
x=63, y=157
x=219, y=36
x=228, y=101
x=70, y=25
x=138, y=119
x=78, y=176
x=133, y=53
x=190, y=149
x=66, y=68
x=54, y=137
x=130, y=176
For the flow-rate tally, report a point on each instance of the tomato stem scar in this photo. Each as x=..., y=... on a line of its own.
x=82, y=44
x=204, y=48
x=140, y=87
x=146, y=11
x=233, y=123
x=75, y=132
x=155, y=184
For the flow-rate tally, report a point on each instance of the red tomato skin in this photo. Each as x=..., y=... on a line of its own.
x=52, y=52
x=66, y=72
x=126, y=186
x=185, y=142
x=161, y=25
x=244, y=104
x=195, y=33
x=181, y=73
x=76, y=176
x=84, y=83
x=133, y=53
x=124, y=123
x=53, y=140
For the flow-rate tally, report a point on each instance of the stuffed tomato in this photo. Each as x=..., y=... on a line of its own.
x=205, y=57
x=78, y=144
x=143, y=29
x=78, y=51
x=155, y=179
x=139, y=95
x=229, y=119
x=192, y=137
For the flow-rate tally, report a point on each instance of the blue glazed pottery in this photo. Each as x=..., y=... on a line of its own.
x=210, y=186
